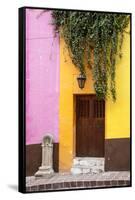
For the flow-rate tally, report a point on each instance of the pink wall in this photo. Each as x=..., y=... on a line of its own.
x=42, y=77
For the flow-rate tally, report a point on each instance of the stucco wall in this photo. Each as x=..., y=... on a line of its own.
x=42, y=77
x=118, y=113
x=117, y=116
x=51, y=85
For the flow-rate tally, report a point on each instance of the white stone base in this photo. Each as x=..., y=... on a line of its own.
x=45, y=172
x=87, y=165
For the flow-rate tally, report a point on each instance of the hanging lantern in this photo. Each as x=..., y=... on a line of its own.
x=81, y=80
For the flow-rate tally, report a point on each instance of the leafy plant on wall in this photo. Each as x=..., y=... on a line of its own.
x=94, y=39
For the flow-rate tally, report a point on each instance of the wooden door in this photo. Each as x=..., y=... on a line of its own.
x=90, y=126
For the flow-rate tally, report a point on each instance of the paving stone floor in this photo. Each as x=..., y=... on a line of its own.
x=62, y=181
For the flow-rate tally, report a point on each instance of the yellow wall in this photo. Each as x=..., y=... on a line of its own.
x=117, y=118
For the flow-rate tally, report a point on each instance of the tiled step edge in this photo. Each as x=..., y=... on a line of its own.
x=78, y=185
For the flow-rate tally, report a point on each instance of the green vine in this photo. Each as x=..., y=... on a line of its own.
x=94, y=40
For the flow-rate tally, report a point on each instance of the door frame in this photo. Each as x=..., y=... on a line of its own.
x=74, y=121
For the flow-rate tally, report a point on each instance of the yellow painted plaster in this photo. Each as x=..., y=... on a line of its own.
x=117, y=117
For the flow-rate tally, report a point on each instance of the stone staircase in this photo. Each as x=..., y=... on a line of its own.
x=84, y=165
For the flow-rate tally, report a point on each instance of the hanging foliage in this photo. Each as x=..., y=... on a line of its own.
x=94, y=40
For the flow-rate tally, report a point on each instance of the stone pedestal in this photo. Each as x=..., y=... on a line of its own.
x=46, y=168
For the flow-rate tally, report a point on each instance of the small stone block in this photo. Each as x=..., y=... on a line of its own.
x=79, y=184
x=87, y=183
x=42, y=187
x=114, y=183
x=100, y=183
x=128, y=183
x=67, y=184
x=93, y=183
x=34, y=188
x=28, y=189
x=85, y=171
x=121, y=182
x=107, y=183
x=73, y=184
x=48, y=186
x=61, y=185
x=55, y=186
x=75, y=162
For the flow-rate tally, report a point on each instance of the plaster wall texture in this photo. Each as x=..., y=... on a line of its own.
x=42, y=77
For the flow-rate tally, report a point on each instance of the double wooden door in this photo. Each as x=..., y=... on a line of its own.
x=90, y=126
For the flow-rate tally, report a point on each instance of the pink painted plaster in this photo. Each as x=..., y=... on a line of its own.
x=42, y=77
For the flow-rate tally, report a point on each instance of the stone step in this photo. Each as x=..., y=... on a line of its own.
x=87, y=165
x=90, y=162
x=75, y=170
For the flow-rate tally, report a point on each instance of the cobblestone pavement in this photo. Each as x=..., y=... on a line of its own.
x=62, y=181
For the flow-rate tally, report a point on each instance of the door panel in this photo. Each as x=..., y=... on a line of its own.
x=90, y=125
